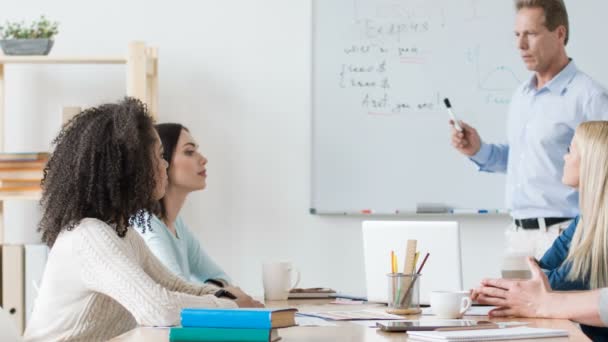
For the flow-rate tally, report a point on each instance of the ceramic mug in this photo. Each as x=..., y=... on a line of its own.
x=450, y=304
x=277, y=279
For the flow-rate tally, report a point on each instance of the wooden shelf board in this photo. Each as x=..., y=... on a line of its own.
x=60, y=60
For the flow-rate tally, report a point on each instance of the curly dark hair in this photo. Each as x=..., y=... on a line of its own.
x=102, y=167
x=169, y=135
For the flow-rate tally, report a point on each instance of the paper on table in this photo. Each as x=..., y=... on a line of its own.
x=369, y=324
x=342, y=301
x=352, y=315
x=305, y=321
x=473, y=311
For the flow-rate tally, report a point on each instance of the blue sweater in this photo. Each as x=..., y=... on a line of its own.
x=554, y=265
x=182, y=255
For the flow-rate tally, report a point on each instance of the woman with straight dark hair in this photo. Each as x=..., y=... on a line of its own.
x=170, y=239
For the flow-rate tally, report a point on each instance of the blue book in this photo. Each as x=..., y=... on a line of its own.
x=263, y=318
x=177, y=334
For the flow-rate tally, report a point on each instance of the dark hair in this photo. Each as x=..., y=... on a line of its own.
x=555, y=13
x=169, y=135
x=102, y=167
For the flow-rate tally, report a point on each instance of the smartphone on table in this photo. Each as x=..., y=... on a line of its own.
x=421, y=325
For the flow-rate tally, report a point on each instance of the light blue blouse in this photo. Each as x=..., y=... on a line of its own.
x=182, y=255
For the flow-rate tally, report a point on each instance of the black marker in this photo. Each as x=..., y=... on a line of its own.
x=452, y=116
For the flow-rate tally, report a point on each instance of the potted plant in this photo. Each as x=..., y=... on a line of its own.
x=21, y=39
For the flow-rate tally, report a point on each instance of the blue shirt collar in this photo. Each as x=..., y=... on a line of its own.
x=559, y=83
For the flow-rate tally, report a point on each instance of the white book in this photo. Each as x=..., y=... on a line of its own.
x=486, y=334
x=35, y=261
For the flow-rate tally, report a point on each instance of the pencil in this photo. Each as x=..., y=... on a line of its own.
x=423, y=262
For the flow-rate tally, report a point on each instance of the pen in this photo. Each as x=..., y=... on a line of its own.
x=423, y=262
x=448, y=105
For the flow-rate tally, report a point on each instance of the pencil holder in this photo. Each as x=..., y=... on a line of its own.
x=403, y=294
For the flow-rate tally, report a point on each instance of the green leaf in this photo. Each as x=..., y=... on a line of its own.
x=41, y=28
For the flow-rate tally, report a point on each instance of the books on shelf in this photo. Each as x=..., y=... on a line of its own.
x=263, y=318
x=486, y=334
x=23, y=156
x=7, y=185
x=223, y=335
x=21, y=173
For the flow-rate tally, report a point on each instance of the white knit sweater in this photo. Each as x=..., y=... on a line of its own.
x=97, y=285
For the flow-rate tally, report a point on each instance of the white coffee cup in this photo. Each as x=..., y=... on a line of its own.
x=277, y=277
x=450, y=304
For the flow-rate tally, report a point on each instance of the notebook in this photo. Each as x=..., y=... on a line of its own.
x=309, y=293
x=486, y=334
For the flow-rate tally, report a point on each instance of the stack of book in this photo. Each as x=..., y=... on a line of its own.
x=228, y=325
x=21, y=173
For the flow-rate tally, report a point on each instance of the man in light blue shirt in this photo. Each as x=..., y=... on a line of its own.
x=542, y=117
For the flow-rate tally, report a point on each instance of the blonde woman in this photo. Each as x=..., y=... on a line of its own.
x=578, y=259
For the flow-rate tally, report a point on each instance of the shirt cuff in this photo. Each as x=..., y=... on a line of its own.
x=604, y=306
x=482, y=156
x=216, y=282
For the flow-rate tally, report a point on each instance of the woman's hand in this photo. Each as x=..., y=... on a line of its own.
x=521, y=298
x=243, y=300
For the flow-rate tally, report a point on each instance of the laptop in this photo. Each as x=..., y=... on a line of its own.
x=442, y=271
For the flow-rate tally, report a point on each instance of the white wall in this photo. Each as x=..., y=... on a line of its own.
x=237, y=74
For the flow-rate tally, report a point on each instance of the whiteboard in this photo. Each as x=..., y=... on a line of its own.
x=380, y=71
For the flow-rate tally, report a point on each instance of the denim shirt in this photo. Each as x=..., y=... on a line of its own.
x=554, y=265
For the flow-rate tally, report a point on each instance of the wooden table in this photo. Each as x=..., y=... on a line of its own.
x=346, y=331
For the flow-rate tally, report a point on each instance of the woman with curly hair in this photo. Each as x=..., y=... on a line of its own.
x=170, y=239
x=101, y=280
